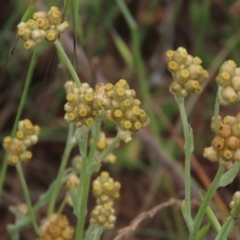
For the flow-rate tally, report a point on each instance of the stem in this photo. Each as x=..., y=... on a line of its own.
x=188, y=151
x=63, y=204
x=226, y=229
x=19, y=112
x=83, y=194
x=85, y=177
x=96, y=132
x=139, y=63
x=216, y=114
x=212, y=189
x=27, y=198
x=67, y=62
x=69, y=145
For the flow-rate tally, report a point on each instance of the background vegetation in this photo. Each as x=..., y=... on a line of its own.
x=149, y=168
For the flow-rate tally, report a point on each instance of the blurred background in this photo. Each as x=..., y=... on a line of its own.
x=150, y=167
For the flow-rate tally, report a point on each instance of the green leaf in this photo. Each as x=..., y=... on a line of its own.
x=29, y=12
x=228, y=177
x=122, y=48
x=203, y=231
x=210, y=214
x=226, y=229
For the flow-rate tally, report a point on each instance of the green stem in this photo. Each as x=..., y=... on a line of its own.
x=95, y=132
x=188, y=151
x=226, y=229
x=69, y=145
x=212, y=189
x=63, y=204
x=216, y=114
x=67, y=62
x=140, y=70
x=85, y=177
x=27, y=198
x=19, y=112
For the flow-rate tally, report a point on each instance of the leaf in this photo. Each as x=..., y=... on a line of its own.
x=228, y=177
x=203, y=231
x=29, y=12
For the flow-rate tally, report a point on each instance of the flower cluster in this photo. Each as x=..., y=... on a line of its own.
x=229, y=81
x=56, y=227
x=82, y=107
x=105, y=190
x=187, y=72
x=17, y=147
x=116, y=103
x=225, y=148
x=233, y=204
x=42, y=26
x=102, y=144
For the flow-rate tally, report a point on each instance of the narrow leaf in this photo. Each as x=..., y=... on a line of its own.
x=29, y=12
x=203, y=231
x=228, y=177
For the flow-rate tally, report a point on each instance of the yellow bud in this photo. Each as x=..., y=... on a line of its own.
x=229, y=94
x=89, y=121
x=88, y=97
x=20, y=134
x=13, y=160
x=169, y=55
x=211, y=154
x=120, y=91
x=108, y=87
x=227, y=154
x=218, y=143
x=173, y=66
x=29, y=44
x=62, y=27
x=70, y=116
x=117, y=113
x=32, y=24
x=121, y=83
x=51, y=35
x=101, y=145
x=83, y=112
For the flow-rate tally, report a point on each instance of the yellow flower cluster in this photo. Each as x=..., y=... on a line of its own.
x=229, y=81
x=225, y=148
x=43, y=25
x=17, y=147
x=105, y=190
x=102, y=144
x=82, y=107
x=233, y=204
x=123, y=108
x=187, y=72
x=117, y=103
x=56, y=227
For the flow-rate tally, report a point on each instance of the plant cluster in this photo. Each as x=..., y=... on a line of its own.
x=115, y=103
x=187, y=72
x=56, y=227
x=225, y=147
x=43, y=25
x=17, y=147
x=229, y=81
x=105, y=190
